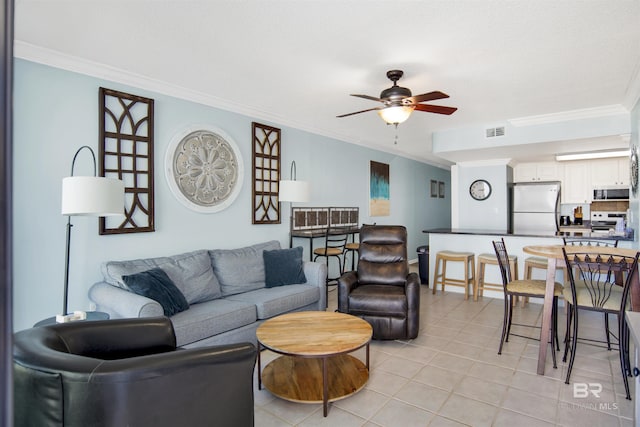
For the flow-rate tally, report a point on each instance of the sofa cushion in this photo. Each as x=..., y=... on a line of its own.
x=283, y=267
x=211, y=318
x=155, y=284
x=271, y=302
x=191, y=272
x=241, y=270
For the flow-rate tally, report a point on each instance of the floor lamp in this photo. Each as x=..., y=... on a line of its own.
x=293, y=191
x=87, y=196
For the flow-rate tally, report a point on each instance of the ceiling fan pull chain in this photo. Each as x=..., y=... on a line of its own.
x=395, y=142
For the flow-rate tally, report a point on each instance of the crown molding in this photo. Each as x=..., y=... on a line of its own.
x=56, y=59
x=491, y=162
x=563, y=116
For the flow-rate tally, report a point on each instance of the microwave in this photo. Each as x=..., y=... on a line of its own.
x=611, y=193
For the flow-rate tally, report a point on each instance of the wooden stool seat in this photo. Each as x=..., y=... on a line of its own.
x=469, y=260
x=490, y=259
x=539, y=262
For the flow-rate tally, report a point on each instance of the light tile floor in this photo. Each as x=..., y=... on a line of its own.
x=451, y=375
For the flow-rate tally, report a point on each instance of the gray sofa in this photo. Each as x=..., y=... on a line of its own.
x=225, y=290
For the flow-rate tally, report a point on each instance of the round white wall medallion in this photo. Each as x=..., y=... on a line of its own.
x=204, y=168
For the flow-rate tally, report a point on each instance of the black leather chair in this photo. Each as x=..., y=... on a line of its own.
x=128, y=372
x=382, y=291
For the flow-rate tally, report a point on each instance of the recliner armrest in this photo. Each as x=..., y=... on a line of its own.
x=346, y=283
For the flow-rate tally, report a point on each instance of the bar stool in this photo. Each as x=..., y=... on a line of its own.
x=351, y=248
x=491, y=259
x=469, y=261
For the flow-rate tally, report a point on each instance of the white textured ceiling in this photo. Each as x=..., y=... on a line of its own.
x=295, y=62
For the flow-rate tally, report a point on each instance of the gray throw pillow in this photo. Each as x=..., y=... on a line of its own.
x=155, y=284
x=241, y=270
x=283, y=267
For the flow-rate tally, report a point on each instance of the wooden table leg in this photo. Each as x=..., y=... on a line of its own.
x=259, y=368
x=545, y=330
x=325, y=387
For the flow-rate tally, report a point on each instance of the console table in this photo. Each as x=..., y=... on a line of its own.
x=312, y=222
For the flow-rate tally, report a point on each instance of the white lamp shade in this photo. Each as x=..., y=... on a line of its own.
x=397, y=114
x=294, y=191
x=92, y=196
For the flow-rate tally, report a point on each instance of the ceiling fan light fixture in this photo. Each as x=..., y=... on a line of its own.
x=396, y=114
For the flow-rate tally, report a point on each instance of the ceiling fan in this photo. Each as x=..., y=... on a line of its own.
x=398, y=103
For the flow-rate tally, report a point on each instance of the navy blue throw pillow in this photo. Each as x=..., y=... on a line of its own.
x=155, y=284
x=283, y=267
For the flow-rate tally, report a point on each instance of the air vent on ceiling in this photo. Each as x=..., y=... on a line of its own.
x=494, y=132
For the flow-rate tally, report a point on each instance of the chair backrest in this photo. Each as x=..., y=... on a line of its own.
x=591, y=242
x=383, y=255
x=336, y=238
x=503, y=261
x=601, y=276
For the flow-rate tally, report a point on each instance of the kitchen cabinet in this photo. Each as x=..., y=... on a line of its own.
x=542, y=171
x=576, y=183
x=610, y=171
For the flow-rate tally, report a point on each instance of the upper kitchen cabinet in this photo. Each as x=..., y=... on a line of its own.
x=532, y=172
x=576, y=183
x=610, y=172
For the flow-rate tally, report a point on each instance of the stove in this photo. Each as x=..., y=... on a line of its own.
x=603, y=221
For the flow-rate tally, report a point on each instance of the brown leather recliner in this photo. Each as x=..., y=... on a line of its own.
x=382, y=291
x=128, y=372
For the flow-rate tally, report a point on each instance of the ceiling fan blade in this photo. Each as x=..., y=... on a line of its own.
x=371, y=98
x=358, y=112
x=431, y=96
x=439, y=109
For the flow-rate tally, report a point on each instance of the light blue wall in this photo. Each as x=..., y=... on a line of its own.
x=56, y=112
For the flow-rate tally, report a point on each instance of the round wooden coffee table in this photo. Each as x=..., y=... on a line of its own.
x=314, y=366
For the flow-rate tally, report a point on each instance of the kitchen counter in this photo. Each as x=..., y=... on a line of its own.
x=480, y=241
x=558, y=234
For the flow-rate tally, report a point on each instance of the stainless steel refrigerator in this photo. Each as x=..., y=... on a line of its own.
x=535, y=207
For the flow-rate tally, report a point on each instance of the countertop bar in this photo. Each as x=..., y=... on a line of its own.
x=557, y=234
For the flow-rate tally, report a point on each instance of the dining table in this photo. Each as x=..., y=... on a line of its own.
x=554, y=255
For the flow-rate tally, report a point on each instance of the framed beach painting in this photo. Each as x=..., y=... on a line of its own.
x=379, y=203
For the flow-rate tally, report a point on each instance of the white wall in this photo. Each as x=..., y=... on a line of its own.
x=634, y=198
x=56, y=112
x=489, y=214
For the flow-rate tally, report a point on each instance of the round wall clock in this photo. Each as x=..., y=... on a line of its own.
x=204, y=168
x=480, y=189
x=633, y=169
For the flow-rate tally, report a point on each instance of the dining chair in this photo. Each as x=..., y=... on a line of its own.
x=605, y=282
x=597, y=243
x=335, y=239
x=523, y=288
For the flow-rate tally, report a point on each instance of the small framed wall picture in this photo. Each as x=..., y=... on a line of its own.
x=434, y=188
x=441, y=189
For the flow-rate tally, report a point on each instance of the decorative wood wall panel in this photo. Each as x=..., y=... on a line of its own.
x=314, y=218
x=266, y=174
x=126, y=152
